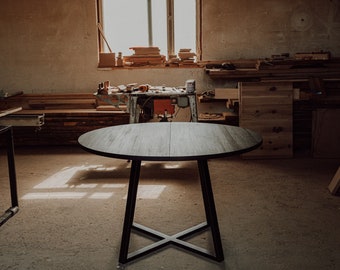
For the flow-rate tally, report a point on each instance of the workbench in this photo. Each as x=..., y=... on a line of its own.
x=135, y=101
x=176, y=96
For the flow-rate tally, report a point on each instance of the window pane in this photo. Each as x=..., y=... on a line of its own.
x=185, y=24
x=159, y=18
x=125, y=24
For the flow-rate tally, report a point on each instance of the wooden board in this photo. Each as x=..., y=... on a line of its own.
x=9, y=111
x=226, y=93
x=334, y=185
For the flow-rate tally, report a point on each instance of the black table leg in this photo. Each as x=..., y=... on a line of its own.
x=12, y=175
x=209, y=206
x=177, y=239
x=130, y=210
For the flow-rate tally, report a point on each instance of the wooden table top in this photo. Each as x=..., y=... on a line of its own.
x=169, y=141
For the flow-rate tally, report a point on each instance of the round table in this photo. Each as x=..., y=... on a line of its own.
x=170, y=141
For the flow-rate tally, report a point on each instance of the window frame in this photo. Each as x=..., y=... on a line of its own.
x=170, y=28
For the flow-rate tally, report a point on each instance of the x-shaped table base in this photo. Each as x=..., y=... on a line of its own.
x=176, y=239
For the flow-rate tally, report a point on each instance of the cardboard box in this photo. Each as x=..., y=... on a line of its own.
x=226, y=93
x=107, y=60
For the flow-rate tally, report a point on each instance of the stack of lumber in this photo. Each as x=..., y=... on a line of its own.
x=144, y=56
x=186, y=56
x=173, y=60
x=289, y=69
x=284, y=61
x=300, y=67
x=66, y=117
x=313, y=56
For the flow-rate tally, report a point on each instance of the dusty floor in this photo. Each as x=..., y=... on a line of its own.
x=273, y=214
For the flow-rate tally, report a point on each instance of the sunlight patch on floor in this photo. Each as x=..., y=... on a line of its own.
x=149, y=191
x=63, y=180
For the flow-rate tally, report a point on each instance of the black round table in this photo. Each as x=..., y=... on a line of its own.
x=170, y=141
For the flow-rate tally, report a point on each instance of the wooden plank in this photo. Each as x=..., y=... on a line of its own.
x=226, y=93
x=9, y=111
x=82, y=112
x=269, y=100
x=334, y=185
x=50, y=103
x=257, y=111
x=273, y=88
x=111, y=108
x=313, y=56
x=268, y=125
x=296, y=73
x=273, y=146
x=22, y=120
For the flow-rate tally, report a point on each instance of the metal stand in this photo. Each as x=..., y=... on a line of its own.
x=135, y=111
x=10, y=212
x=177, y=239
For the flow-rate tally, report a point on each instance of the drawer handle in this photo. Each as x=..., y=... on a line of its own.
x=273, y=88
x=277, y=129
x=274, y=111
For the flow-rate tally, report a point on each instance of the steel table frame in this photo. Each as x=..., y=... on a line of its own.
x=177, y=239
x=11, y=211
x=175, y=141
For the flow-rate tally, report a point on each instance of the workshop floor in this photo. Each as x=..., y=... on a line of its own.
x=273, y=214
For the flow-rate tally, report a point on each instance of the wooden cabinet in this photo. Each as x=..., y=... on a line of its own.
x=266, y=107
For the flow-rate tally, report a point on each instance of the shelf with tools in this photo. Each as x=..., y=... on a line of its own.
x=315, y=85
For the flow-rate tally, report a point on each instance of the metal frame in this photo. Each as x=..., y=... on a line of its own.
x=135, y=111
x=10, y=212
x=177, y=239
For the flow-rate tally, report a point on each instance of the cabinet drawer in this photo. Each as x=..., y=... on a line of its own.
x=273, y=146
x=266, y=107
x=266, y=111
x=267, y=127
x=263, y=100
x=265, y=89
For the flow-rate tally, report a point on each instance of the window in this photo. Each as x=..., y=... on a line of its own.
x=170, y=25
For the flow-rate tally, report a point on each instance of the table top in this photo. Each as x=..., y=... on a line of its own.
x=165, y=91
x=154, y=91
x=170, y=141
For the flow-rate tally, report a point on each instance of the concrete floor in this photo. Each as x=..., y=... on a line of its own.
x=273, y=214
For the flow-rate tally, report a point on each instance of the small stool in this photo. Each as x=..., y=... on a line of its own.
x=10, y=212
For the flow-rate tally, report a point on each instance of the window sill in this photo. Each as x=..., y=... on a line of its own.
x=196, y=65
